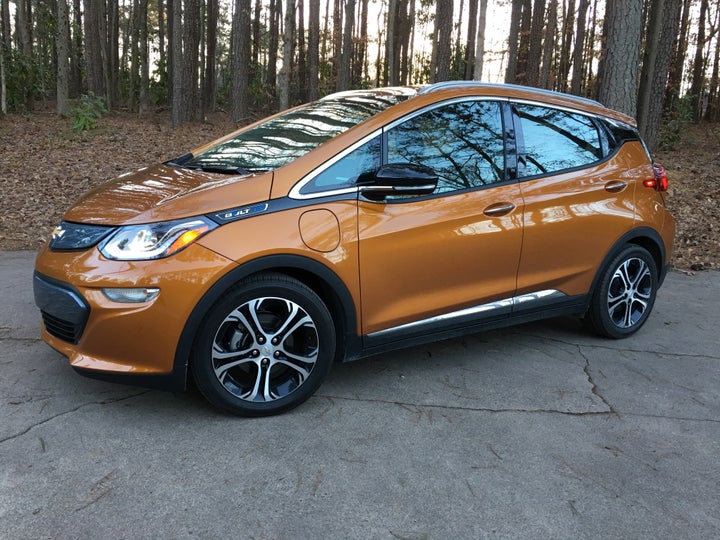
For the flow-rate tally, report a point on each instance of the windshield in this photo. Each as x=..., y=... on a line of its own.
x=281, y=140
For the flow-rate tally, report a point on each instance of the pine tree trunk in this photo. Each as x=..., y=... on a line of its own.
x=63, y=53
x=346, y=55
x=548, y=47
x=144, y=60
x=662, y=27
x=284, y=78
x=208, y=101
x=313, y=49
x=568, y=26
x=480, y=41
x=274, y=39
x=698, y=73
x=301, y=52
x=618, y=87
x=443, y=48
x=513, y=38
x=176, y=62
x=93, y=58
x=678, y=59
x=241, y=55
x=578, y=76
x=535, y=55
x=524, y=48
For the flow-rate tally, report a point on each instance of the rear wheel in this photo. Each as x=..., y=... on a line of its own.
x=625, y=295
x=265, y=347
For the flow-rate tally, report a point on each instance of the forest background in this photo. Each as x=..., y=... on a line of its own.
x=206, y=66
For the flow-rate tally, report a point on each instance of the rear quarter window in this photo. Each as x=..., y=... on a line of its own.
x=554, y=140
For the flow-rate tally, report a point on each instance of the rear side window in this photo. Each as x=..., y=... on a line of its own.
x=554, y=140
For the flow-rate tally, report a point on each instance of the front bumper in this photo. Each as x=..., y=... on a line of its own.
x=129, y=343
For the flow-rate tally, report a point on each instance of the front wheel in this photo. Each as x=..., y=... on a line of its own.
x=265, y=347
x=625, y=295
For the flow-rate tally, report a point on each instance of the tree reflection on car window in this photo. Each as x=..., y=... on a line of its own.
x=556, y=140
x=283, y=139
x=345, y=172
x=461, y=142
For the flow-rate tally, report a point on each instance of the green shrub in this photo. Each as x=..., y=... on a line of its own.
x=89, y=109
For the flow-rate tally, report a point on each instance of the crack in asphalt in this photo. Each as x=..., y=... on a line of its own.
x=75, y=409
x=20, y=339
x=471, y=409
x=618, y=350
x=594, y=388
x=611, y=412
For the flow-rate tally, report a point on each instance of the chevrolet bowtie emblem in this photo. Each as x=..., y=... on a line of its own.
x=58, y=232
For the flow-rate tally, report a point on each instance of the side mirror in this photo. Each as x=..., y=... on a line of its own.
x=400, y=179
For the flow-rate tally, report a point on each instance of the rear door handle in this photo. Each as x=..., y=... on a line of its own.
x=616, y=186
x=499, y=209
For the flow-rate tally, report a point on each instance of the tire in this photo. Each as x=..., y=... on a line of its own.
x=625, y=295
x=264, y=348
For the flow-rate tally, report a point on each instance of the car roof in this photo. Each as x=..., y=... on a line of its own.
x=449, y=89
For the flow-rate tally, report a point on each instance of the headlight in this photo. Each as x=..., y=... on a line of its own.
x=154, y=240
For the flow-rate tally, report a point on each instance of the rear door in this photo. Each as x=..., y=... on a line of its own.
x=578, y=198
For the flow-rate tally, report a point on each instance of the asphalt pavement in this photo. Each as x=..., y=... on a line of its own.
x=537, y=431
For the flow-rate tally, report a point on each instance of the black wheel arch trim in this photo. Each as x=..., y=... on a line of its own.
x=276, y=263
x=631, y=237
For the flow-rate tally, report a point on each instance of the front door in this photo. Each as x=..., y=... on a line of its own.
x=425, y=257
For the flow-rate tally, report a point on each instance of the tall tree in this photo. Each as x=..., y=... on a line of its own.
x=284, y=78
x=480, y=40
x=273, y=40
x=470, y=40
x=548, y=46
x=63, y=55
x=443, y=50
x=618, y=87
x=535, y=52
x=579, y=50
x=241, y=59
x=94, y=64
x=176, y=60
x=698, y=71
x=313, y=49
x=144, y=58
x=345, y=57
x=662, y=26
x=208, y=100
x=678, y=58
x=301, y=52
x=566, y=39
x=513, y=37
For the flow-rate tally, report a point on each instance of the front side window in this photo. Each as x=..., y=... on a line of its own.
x=283, y=139
x=555, y=140
x=461, y=142
x=344, y=173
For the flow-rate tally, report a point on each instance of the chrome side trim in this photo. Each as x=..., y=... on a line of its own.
x=498, y=307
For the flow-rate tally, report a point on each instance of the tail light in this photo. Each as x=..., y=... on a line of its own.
x=660, y=181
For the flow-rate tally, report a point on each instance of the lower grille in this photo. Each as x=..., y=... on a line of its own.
x=64, y=310
x=65, y=330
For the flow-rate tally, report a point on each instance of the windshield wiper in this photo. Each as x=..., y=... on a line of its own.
x=222, y=169
x=219, y=169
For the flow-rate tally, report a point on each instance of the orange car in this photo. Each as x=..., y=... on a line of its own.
x=363, y=222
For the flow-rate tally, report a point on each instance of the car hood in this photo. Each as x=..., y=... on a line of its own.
x=162, y=193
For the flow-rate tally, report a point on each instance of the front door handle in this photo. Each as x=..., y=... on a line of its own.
x=615, y=186
x=499, y=209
